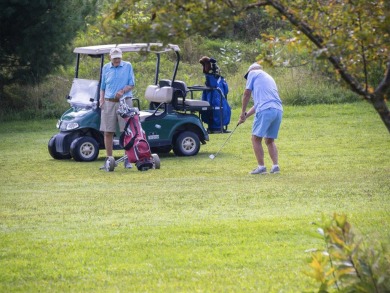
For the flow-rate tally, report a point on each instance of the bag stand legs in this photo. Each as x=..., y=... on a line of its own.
x=110, y=163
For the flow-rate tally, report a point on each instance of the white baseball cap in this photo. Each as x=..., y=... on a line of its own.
x=115, y=53
x=252, y=67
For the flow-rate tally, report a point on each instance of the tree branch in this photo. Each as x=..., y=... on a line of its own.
x=377, y=98
x=318, y=41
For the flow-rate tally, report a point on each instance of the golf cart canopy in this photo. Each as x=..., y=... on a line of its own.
x=137, y=47
x=81, y=87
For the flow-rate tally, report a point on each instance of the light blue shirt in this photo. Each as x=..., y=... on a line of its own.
x=265, y=93
x=115, y=79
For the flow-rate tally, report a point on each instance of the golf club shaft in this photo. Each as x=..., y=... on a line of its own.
x=226, y=141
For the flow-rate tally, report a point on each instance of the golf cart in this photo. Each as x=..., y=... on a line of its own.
x=171, y=121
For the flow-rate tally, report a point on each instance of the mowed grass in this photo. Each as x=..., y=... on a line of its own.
x=196, y=224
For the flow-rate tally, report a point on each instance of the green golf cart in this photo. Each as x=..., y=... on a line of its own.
x=171, y=120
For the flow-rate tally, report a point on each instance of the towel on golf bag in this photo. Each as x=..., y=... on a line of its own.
x=216, y=98
x=133, y=140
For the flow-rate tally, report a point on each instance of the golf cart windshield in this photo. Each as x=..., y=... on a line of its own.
x=83, y=93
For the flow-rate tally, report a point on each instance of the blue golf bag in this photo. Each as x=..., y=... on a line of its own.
x=218, y=117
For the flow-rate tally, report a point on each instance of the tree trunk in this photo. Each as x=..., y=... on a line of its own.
x=379, y=104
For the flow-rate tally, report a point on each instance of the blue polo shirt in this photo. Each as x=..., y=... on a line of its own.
x=115, y=79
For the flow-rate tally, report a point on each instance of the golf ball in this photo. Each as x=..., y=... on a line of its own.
x=211, y=156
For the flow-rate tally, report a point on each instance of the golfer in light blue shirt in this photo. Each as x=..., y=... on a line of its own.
x=268, y=112
x=116, y=78
x=117, y=82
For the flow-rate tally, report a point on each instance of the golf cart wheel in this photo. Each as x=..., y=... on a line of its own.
x=84, y=149
x=51, y=146
x=187, y=144
x=156, y=161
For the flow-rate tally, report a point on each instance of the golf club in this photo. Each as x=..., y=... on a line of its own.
x=213, y=156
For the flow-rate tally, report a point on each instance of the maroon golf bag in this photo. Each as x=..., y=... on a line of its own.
x=133, y=140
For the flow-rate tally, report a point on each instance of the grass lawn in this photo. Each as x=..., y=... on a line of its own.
x=195, y=225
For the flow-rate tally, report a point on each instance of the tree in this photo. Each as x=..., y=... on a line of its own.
x=36, y=36
x=351, y=34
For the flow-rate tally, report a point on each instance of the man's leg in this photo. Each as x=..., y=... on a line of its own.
x=272, y=150
x=108, y=141
x=258, y=149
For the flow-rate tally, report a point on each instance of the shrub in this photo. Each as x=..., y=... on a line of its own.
x=348, y=264
x=45, y=100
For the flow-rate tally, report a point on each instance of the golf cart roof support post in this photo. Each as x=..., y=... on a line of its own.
x=157, y=69
x=76, y=69
x=176, y=66
x=101, y=69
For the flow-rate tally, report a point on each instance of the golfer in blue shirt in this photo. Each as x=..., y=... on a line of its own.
x=117, y=82
x=268, y=112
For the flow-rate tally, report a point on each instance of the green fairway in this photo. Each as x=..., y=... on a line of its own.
x=196, y=224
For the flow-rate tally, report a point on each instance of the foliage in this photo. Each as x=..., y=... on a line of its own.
x=45, y=100
x=351, y=35
x=231, y=56
x=114, y=21
x=354, y=31
x=348, y=264
x=36, y=37
x=279, y=49
x=256, y=22
x=303, y=85
x=224, y=50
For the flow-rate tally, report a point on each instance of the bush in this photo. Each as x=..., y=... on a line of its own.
x=45, y=100
x=348, y=264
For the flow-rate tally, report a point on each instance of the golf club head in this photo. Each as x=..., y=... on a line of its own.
x=213, y=156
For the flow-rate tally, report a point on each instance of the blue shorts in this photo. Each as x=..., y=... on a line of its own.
x=267, y=123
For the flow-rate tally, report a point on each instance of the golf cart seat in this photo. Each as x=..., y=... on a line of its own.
x=180, y=100
x=158, y=96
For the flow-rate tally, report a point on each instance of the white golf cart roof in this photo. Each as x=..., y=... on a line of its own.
x=137, y=47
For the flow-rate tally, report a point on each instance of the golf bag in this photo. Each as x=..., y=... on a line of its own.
x=219, y=116
x=133, y=140
x=220, y=113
